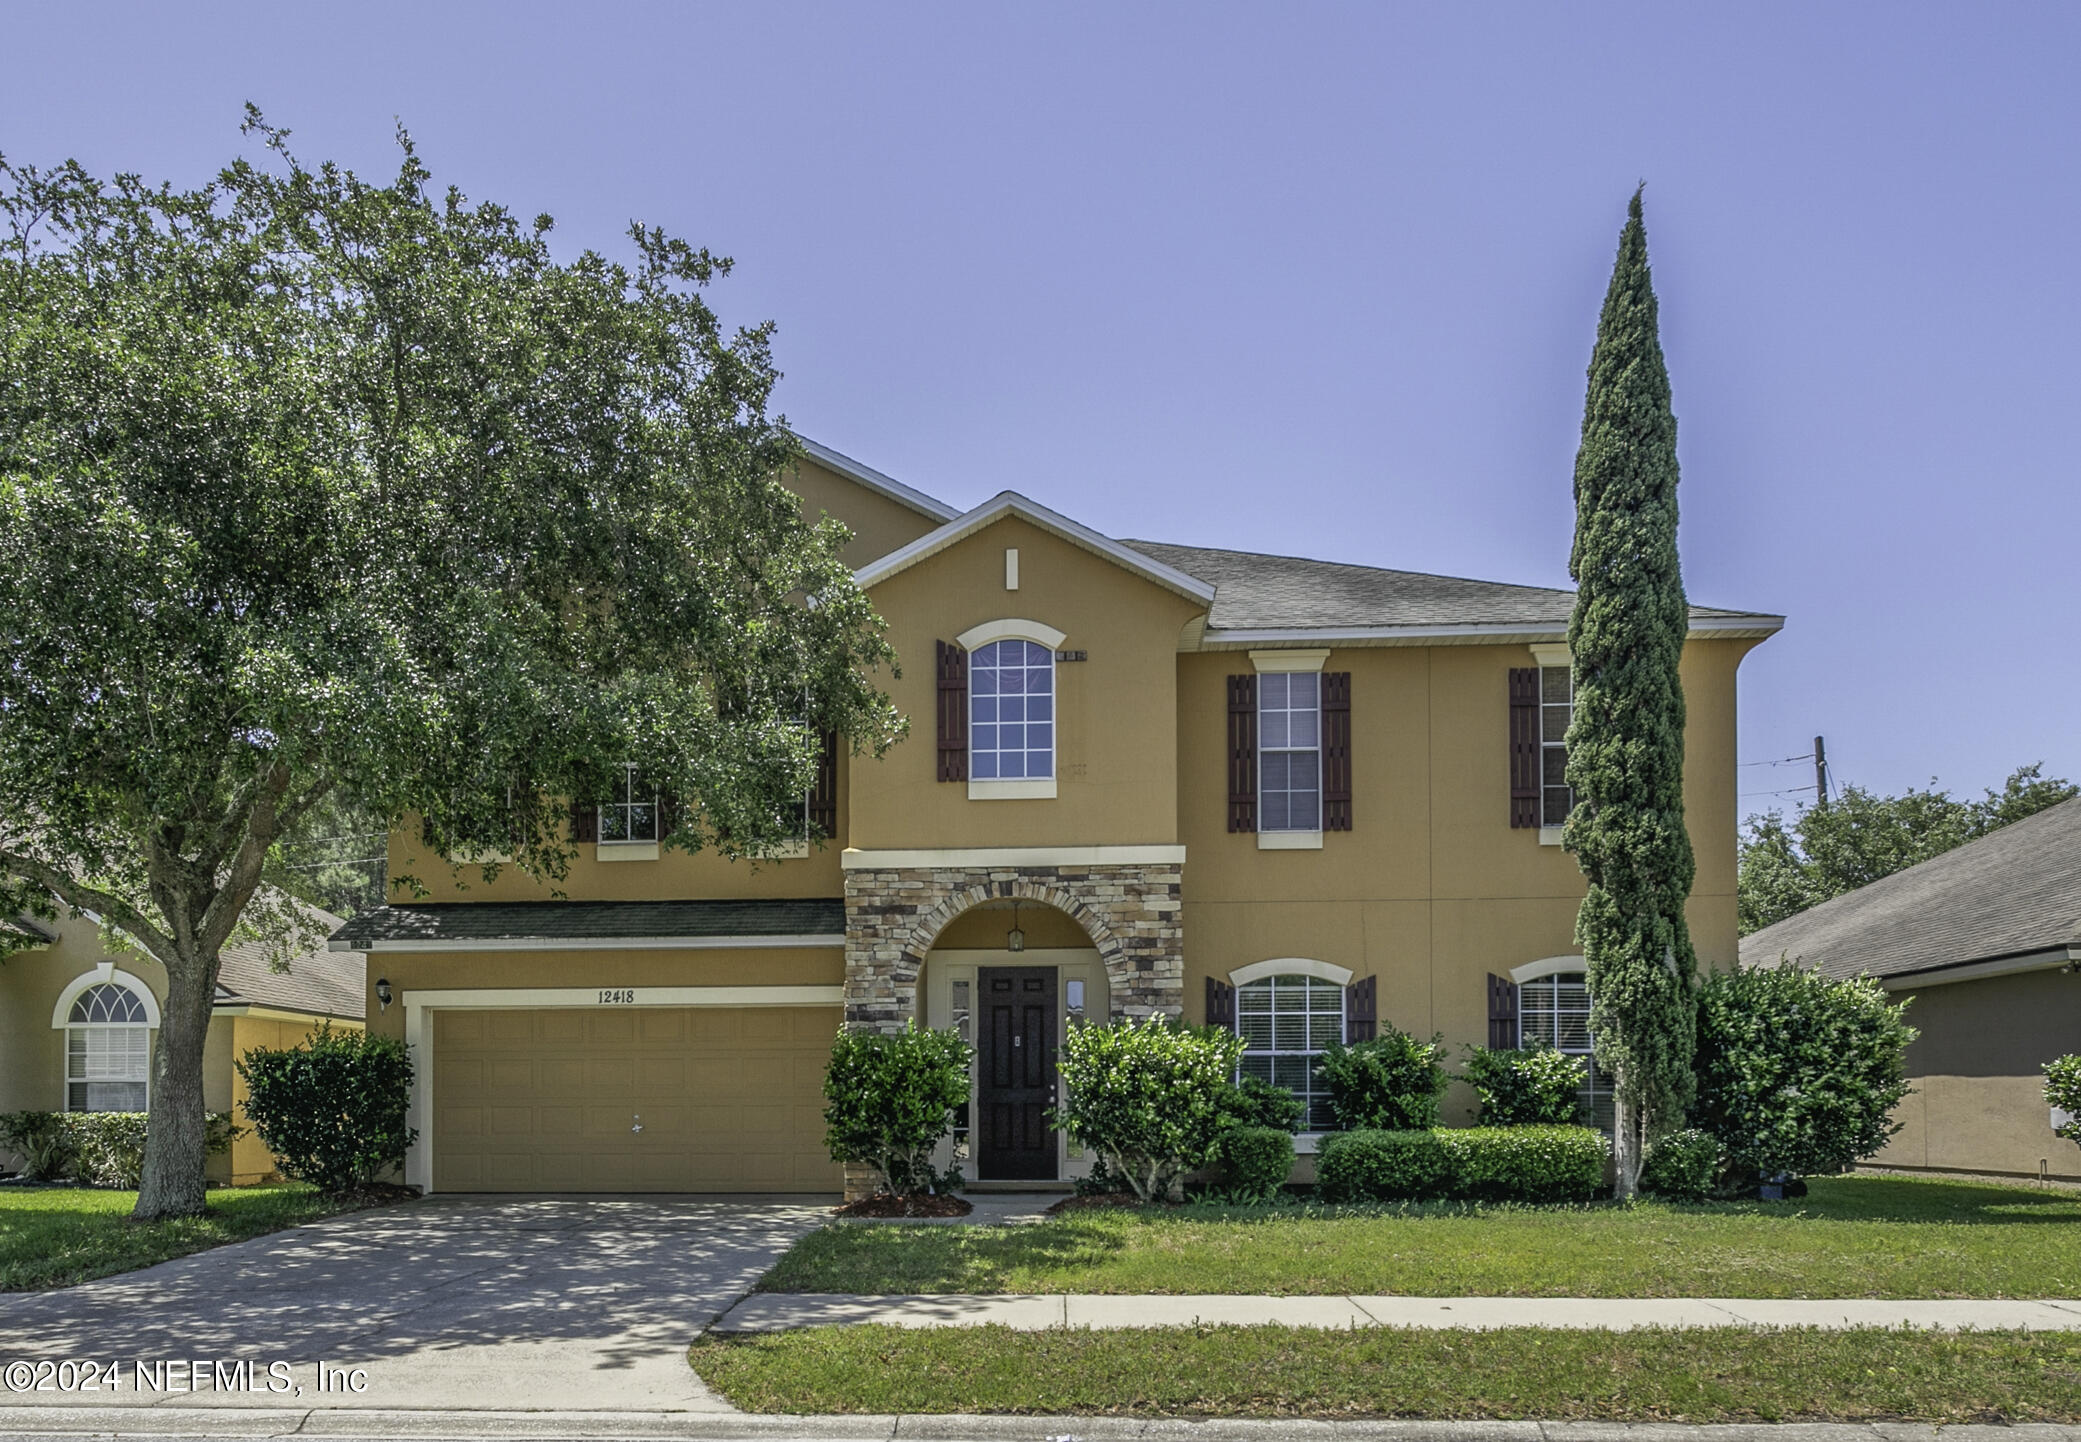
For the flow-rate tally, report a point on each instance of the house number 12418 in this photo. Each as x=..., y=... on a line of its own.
x=618, y=996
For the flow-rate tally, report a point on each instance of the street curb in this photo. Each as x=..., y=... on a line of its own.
x=139, y=1424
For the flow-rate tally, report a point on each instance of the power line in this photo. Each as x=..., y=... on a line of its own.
x=1782, y=760
x=1788, y=791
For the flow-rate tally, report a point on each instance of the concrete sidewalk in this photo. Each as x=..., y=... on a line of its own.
x=696, y=1427
x=780, y=1312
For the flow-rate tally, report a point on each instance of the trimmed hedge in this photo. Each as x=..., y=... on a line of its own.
x=334, y=1107
x=94, y=1149
x=888, y=1101
x=1149, y=1097
x=1258, y=1160
x=1497, y=1164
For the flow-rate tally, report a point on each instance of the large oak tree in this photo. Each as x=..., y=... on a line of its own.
x=312, y=486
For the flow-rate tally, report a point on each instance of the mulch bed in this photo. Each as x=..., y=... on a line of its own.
x=884, y=1205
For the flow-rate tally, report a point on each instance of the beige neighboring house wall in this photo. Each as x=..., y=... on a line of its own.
x=255, y=1007
x=1984, y=942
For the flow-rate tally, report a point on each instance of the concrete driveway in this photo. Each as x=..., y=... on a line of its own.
x=506, y=1303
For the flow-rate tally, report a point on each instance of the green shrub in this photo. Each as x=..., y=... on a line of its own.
x=1376, y=1166
x=1391, y=1083
x=1255, y=1102
x=2062, y=1090
x=1684, y=1166
x=1258, y=1160
x=888, y=1101
x=1532, y=1086
x=333, y=1107
x=41, y=1140
x=95, y=1149
x=1797, y=1072
x=1498, y=1164
x=1148, y=1097
x=1523, y=1164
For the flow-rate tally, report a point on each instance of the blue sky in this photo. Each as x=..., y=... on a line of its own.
x=1318, y=279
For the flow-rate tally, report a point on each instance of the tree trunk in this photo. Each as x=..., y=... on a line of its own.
x=175, y=1144
x=1627, y=1147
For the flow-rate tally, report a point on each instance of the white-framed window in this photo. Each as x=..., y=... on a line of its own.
x=1554, y=1010
x=1289, y=751
x=631, y=813
x=1286, y=1021
x=108, y=1050
x=1011, y=711
x=1556, y=710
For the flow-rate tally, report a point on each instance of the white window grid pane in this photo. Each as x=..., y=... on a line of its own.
x=107, y=1002
x=1285, y=1023
x=1556, y=712
x=1011, y=711
x=632, y=814
x=1289, y=752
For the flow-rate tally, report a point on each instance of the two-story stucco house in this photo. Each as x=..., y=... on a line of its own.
x=1289, y=796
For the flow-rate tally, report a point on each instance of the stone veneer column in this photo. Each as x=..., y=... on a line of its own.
x=1131, y=912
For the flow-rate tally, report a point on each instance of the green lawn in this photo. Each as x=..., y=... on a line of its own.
x=1716, y=1375
x=1854, y=1236
x=58, y=1237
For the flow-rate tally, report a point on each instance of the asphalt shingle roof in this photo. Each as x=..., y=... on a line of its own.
x=324, y=982
x=2013, y=891
x=1256, y=592
x=593, y=920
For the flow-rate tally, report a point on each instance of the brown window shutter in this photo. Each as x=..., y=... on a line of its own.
x=1242, y=753
x=1336, y=751
x=1221, y=1004
x=1524, y=746
x=585, y=822
x=668, y=815
x=1361, y=1010
x=953, y=712
x=1502, y=1012
x=823, y=799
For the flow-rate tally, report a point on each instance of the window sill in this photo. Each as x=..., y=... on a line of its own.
x=1289, y=841
x=1039, y=788
x=1550, y=835
x=625, y=851
x=1307, y=1144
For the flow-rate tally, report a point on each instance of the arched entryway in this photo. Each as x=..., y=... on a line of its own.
x=1012, y=977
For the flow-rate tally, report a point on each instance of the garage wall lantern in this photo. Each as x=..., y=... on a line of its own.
x=383, y=992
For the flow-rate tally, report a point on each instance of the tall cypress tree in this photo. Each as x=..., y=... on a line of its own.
x=1626, y=746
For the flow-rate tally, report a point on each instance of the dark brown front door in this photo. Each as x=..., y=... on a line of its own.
x=1017, y=1088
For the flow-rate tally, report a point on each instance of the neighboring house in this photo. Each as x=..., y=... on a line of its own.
x=1985, y=940
x=1299, y=798
x=78, y=1023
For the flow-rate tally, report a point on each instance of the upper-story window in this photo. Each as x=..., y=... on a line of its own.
x=1556, y=710
x=1011, y=721
x=631, y=812
x=1289, y=730
x=107, y=1049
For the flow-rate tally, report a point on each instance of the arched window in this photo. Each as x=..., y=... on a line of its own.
x=1287, y=1013
x=108, y=1047
x=1553, y=1009
x=1011, y=717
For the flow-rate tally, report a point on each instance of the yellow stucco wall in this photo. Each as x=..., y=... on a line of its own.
x=1978, y=1070
x=879, y=525
x=1116, y=751
x=1432, y=889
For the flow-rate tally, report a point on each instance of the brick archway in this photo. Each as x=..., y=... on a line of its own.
x=1132, y=914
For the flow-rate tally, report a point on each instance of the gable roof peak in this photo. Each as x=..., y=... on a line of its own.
x=1011, y=503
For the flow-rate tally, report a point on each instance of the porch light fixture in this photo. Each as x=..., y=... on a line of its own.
x=1015, y=939
x=383, y=993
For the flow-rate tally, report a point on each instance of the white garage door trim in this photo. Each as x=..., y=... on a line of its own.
x=419, y=1030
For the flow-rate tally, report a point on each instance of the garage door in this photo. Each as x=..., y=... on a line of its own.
x=728, y=1099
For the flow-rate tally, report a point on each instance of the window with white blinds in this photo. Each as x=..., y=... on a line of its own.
x=1286, y=1022
x=108, y=1051
x=1555, y=1011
